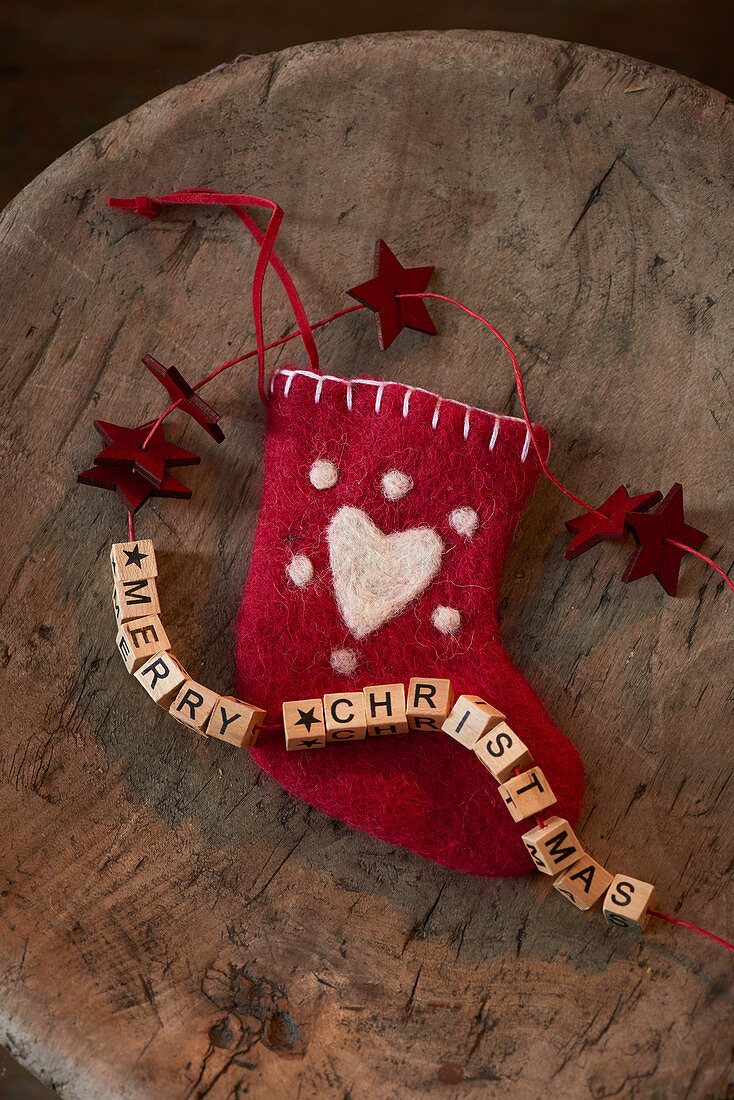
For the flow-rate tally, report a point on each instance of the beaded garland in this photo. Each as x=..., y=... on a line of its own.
x=135, y=464
x=377, y=711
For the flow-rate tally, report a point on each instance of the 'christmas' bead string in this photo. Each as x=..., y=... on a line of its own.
x=135, y=463
x=335, y=718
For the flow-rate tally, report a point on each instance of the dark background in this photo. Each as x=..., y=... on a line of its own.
x=67, y=68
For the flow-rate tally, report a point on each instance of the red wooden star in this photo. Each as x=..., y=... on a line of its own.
x=394, y=314
x=131, y=488
x=654, y=555
x=124, y=448
x=190, y=402
x=590, y=529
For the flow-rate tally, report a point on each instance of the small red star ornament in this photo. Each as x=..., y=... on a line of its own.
x=189, y=401
x=125, y=448
x=610, y=525
x=132, y=489
x=654, y=555
x=379, y=293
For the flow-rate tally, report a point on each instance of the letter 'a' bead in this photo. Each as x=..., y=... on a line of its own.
x=501, y=751
x=527, y=794
x=162, y=676
x=470, y=718
x=584, y=882
x=303, y=722
x=627, y=901
x=553, y=846
x=236, y=722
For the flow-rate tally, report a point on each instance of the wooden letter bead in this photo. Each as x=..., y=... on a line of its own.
x=135, y=599
x=553, y=846
x=139, y=639
x=235, y=722
x=303, y=722
x=527, y=794
x=584, y=882
x=162, y=677
x=193, y=705
x=345, y=717
x=385, y=710
x=627, y=902
x=470, y=718
x=132, y=560
x=429, y=703
x=501, y=751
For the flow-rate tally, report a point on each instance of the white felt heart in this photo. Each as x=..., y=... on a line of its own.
x=376, y=575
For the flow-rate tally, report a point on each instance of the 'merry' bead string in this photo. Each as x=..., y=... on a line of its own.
x=396, y=296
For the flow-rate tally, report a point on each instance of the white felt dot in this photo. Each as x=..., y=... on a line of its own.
x=300, y=570
x=396, y=484
x=343, y=661
x=464, y=521
x=323, y=474
x=446, y=619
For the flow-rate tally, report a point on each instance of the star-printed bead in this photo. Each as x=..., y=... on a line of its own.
x=379, y=293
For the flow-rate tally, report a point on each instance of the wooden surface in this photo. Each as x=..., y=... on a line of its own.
x=172, y=925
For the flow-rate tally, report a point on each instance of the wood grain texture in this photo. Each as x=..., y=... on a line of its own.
x=172, y=924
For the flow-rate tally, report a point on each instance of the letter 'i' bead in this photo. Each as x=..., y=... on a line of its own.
x=385, y=710
x=303, y=722
x=584, y=882
x=470, y=718
x=501, y=751
x=527, y=794
x=627, y=901
x=345, y=717
x=553, y=846
x=429, y=703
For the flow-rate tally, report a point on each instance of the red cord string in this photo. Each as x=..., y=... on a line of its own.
x=274, y=344
x=131, y=526
x=692, y=927
x=520, y=391
x=240, y=359
x=521, y=394
x=149, y=207
x=698, y=554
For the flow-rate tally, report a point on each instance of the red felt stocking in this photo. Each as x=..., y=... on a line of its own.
x=335, y=600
